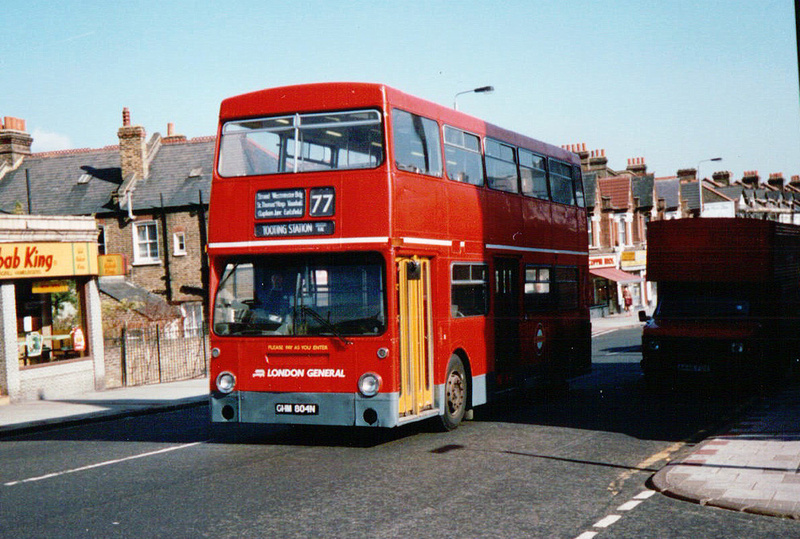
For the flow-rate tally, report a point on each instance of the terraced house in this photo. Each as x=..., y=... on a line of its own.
x=149, y=198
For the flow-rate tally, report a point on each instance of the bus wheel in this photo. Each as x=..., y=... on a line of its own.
x=455, y=394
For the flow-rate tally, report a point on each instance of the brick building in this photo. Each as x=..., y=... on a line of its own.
x=150, y=199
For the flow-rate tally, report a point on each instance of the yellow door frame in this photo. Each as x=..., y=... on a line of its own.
x=416, y=330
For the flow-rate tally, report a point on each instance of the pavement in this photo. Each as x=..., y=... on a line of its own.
x=26, y=416
x=753, y=467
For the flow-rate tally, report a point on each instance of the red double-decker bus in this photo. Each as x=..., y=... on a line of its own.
x=378, y=259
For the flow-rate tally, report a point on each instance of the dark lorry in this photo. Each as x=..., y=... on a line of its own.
x=728, y=299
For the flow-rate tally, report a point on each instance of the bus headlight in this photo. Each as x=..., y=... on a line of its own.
x=737, y=347
x=225, y=382
x=369, y=384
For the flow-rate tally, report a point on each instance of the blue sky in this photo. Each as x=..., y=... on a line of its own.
x=673, y=81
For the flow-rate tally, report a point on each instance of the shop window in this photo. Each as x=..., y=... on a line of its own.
x=51, y=324
x=145, y=243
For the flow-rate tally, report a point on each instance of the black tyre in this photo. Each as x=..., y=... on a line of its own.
x=455, y=394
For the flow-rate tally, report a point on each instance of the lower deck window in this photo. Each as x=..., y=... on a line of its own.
x=567, y=283
x=537, y=288
x=469, y=294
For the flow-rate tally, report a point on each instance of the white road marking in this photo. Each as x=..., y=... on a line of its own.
x=100, y=464
x=607, y=521
x=643, y=495
x=586, y=535
x=627, y=506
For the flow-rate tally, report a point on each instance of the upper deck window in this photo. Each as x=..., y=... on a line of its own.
x=561, y=182
x=578, y=181
x=417, y=145
x=533, y=170
x=301, y=143
x=501, y=166
x=462, y=152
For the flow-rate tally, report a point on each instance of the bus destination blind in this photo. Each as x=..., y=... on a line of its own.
x=296, y=228
x=280, y=204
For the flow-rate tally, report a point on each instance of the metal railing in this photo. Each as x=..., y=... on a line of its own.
x=162, y=353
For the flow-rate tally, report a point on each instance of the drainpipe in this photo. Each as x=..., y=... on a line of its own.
x=130, y=206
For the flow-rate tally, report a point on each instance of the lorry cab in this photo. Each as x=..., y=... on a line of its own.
x=713, y=329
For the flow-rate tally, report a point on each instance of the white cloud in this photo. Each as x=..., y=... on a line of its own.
x=44, y=141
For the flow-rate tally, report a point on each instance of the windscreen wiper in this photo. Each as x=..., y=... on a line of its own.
x=316, y=316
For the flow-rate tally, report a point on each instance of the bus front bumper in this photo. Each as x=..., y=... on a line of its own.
x=345, y=409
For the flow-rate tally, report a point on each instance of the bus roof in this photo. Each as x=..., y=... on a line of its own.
x=316, y=97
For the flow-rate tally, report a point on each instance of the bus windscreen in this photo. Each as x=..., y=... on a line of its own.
x=301, y=143
x=301, y=295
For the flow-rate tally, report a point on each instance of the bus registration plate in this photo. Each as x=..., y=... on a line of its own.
x=296, y=409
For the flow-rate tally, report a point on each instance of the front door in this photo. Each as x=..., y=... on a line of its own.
x=416, y=344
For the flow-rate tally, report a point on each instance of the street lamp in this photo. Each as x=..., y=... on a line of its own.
x=481, y=90
x=700, y=179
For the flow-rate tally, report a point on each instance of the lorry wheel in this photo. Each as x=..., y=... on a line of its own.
x=455, y=394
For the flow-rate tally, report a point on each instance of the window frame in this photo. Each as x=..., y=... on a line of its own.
x=477, y=284
x=553, y=163
x=545, y=174
x=297, y=123
x=463, y=149
x=538, y=300
x=567, y=290
x=435, y=167
x=102, y=244
x=500, y=159
x=138, y=257
x=179, y=243
x=577, y=186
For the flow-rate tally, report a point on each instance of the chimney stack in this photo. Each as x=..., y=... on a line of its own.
x=637, y=166
x=598, y=162
x=171, y=137
x=582, y=152
x=795, y=181
x=687, y=175
x=132, y=148
x=722, y=177
x=776, y=180
x=751, y=179
x=15, y=143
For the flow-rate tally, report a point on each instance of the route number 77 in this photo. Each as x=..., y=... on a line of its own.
x=323, y=201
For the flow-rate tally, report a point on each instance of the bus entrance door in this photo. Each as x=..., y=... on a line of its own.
x=416, y=344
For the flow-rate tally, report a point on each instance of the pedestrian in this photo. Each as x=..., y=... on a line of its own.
x=627, y=299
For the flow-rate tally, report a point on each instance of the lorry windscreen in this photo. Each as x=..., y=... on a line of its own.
x=702, y=302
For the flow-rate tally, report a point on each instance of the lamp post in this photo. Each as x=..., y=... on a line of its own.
x=481, y=90
x=700, y=179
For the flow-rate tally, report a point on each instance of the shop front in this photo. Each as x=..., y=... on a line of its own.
x=50, y=314
x=614, y=291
